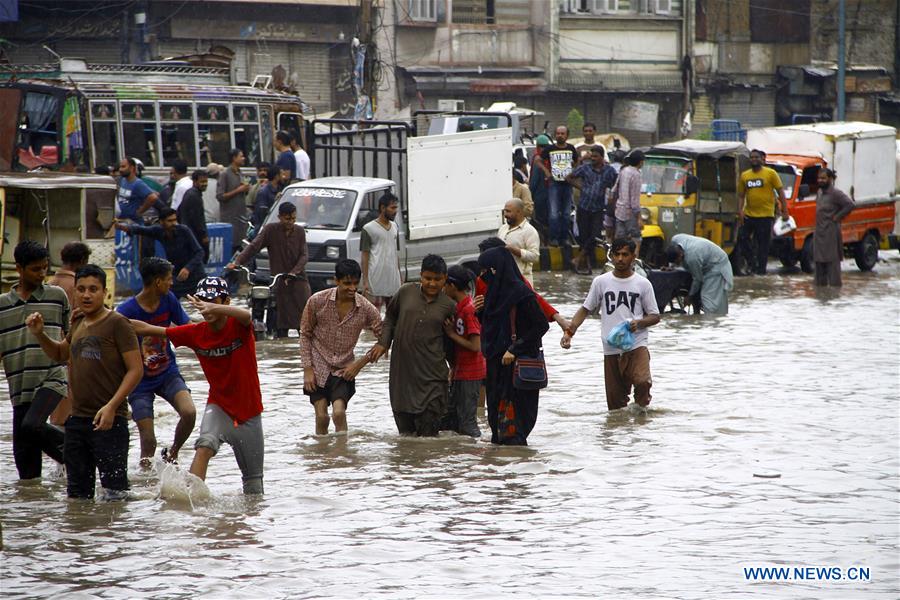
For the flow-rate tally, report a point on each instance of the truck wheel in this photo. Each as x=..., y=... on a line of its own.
x=807, y=264
x=789, y=258
x=866, y=252
x=652, y=253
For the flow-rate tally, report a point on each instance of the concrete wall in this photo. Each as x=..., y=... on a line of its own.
x=465, y=45
x=616, y=44
x=871, y=32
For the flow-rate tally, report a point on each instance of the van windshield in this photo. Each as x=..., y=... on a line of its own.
x=664, y=175
x=319, y=208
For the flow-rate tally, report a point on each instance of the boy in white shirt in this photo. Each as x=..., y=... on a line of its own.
x=621, y=295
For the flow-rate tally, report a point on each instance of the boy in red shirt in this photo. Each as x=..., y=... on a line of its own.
x=226, y=348
x=469, y=367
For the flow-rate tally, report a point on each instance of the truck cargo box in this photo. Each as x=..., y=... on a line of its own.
x=458, y=182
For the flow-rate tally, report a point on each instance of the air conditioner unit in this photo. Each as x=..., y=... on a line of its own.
x=448, y=105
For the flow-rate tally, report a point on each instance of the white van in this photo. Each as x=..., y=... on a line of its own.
x=455, y=187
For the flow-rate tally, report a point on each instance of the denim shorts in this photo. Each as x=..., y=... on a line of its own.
x=142, y=402
x=628, y=229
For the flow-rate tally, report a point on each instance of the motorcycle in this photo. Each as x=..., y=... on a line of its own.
x=262, y=302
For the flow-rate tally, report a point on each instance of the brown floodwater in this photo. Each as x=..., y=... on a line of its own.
x=796, y=382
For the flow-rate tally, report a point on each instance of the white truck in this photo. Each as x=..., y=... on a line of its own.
x=452, y=188
x=864, y=157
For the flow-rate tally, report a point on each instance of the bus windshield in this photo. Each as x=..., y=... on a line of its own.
x=664, y=175
x=319, y=208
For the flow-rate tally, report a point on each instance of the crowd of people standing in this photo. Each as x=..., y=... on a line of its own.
x=452, y=335
x=449, y=335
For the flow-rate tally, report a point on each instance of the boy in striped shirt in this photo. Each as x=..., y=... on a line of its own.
x=36, y=382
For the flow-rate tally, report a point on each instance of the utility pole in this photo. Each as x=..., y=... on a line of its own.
x=363, y=64
x=842, y=60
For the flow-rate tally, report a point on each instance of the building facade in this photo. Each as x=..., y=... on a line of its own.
x=303, y=45
x=618, y=63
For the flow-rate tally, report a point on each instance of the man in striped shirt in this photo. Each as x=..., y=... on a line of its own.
x=36, y=382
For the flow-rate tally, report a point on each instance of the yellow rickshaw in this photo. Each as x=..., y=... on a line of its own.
x=54, y=209
x=690, y=186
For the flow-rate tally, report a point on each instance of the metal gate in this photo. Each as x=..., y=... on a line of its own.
x=753, y=108
x=337, y=149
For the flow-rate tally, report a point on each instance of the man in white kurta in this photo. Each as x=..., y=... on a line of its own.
x=521, y=238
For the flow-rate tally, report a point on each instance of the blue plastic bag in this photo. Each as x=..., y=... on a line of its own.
x=621, y=337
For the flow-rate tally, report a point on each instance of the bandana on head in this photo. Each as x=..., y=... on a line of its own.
x=211, y=288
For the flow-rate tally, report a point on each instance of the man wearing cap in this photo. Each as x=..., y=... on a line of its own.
x=538, y=183
x=286, y=244
x=226, y=348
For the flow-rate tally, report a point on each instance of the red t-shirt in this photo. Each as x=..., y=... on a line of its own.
x=228, y=359
x=469, y=366
x=546, y=308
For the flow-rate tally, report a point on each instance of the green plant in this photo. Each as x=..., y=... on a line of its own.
x=575, y=122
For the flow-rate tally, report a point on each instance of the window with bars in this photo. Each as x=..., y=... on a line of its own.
x=620, y=7
x=421, y=10
x=476, y=12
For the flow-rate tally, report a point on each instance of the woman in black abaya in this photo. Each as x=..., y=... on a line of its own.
x=512, y=325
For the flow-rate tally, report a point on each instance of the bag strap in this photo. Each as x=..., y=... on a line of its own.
x=512, y=322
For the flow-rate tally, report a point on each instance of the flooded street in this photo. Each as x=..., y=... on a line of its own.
x=794, y=382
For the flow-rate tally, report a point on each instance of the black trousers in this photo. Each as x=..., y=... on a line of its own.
x=89, y=451
x=590, y=227
x=33, y=436
x=499, y=385
x=424, y=424
x=755, y=236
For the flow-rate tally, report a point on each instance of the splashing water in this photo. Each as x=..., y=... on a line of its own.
x=180, y=486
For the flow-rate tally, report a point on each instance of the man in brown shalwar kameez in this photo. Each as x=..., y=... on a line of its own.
x=414, y=322
x=286, y=243
x=832, y=205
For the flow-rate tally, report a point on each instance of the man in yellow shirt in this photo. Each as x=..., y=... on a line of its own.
x=758, y=189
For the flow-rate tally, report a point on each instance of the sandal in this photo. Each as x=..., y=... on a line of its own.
x=164, y=453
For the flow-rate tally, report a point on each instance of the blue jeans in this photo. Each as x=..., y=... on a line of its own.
x=560, y=211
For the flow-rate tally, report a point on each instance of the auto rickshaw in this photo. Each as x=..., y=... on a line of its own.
x=690, y=186
x=54, y=209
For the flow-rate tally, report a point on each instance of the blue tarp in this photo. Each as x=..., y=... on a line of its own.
x=9, y=11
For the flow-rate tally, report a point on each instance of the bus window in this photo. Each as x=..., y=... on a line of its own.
x=268, y=141
x=105, y=134
x=139, y=131
x=37, y=142
x=74, y=154
x=293, y=124
x=177, y=133
x=214, y=133
x=246, y=131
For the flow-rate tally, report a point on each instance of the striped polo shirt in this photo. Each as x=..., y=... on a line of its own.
x=27, y=368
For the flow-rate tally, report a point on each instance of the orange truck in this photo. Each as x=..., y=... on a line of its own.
x=864, y=158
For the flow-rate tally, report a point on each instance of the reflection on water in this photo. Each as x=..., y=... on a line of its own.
x=796, y=382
